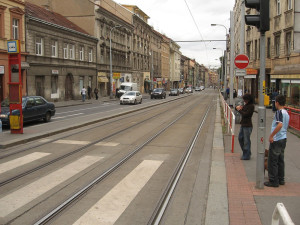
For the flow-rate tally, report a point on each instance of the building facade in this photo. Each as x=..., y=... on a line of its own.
x=12, y=27
x=62, y=56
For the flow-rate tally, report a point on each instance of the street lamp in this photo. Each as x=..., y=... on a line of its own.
x=225, y=57
x=151, y=72
x=110, y=61
x=221, y=72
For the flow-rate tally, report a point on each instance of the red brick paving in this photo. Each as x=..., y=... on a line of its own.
x=241, y=203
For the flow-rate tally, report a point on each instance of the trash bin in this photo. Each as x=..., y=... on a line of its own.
x=14, y=121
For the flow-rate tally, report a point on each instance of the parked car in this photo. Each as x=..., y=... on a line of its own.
x=202, y=88
x=197, y=89
x=174, y=92
x=181, y=91
x=158, y=93
x=131, y=97
x=33, y=107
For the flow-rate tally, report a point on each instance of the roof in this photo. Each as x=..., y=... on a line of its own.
x=51, y=17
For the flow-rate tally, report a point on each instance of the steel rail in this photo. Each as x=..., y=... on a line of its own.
x=74, y=197
x=25, y=173
x=165, y=198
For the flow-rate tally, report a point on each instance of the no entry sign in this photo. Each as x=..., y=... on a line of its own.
x=241, y=61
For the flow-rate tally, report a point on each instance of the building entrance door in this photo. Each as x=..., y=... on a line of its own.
x=69, y=87
x=39, y=85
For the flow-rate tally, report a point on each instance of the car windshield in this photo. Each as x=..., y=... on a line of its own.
x=125, y=88
x=131, y=93
x=158, y=90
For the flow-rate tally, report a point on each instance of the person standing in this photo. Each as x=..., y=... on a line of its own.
x=83, y=93
x=246, y=112
x=277, y=141
x=96, y=92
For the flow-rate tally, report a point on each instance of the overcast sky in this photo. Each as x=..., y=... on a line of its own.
x=190, y=20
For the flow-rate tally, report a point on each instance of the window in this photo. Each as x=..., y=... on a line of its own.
x=66, y=54
x=54, y=81
x=71, y=50
x=39, y=46
x=289, y=4
x=81, y=53
x=255, y=50
x=15, y=28
x=248, y=50
x=278, y=7
x=277, y=45
x=288, y=43
x=90, y=55
x=54, y=47
x=269, y=48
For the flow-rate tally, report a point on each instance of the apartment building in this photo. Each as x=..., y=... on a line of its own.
x=282, y=49
x=62, y=56
x=11, y=28
x=175, y=57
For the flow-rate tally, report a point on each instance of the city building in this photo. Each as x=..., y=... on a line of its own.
x=62, y=56
x=12, y=27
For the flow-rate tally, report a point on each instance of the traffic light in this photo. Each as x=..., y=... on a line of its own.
x=262, y=20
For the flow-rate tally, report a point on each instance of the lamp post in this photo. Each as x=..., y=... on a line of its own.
x=225, y=56
x=110, y=62
x=221, y=72
x=151, y=72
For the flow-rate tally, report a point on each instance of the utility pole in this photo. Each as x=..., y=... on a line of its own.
x=262, y=22
x=231, y=103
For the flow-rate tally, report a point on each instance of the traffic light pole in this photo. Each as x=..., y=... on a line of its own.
x=261, y=118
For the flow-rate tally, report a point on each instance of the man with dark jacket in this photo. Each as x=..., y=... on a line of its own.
x=246, y=126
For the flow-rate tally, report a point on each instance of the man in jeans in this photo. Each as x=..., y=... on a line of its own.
x=246, y=126
x=277, y=141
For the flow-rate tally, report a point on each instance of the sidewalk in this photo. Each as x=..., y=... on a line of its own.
x=246, y=203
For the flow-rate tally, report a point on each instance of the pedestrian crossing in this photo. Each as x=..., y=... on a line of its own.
x=106, y=210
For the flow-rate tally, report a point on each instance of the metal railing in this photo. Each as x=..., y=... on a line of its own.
x=230, y=120
x=294, y=117
x=281, y=212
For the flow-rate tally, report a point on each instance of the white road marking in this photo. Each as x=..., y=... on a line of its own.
x=110, y=144
x=60, y=117
x=24, y=195
x=108, y=209
x=72, y=142
x=4, y=167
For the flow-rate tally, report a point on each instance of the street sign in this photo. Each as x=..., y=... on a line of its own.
x=241, y=61
x=240, y=72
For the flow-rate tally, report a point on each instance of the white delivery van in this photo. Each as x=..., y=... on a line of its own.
x=127, y=86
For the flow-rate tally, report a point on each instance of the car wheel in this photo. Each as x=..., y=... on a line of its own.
x=151, y=97
x=135, y=102
x=47, y=117
x=141, y=101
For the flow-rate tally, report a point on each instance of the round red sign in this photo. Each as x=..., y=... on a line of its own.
x=241, y=61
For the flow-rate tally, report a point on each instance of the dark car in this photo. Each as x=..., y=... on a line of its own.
x=33, y=107
x=158, y=93
x=174, y=92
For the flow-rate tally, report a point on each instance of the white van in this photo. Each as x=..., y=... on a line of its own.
x=127, y=86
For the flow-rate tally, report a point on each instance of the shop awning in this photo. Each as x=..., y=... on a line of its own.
x=103, y=80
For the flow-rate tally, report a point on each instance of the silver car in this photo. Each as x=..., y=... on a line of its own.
x=131, y=97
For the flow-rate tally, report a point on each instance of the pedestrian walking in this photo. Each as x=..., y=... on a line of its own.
x=83, y=93
x=96, y=93
x=273, y=96
x=246, y=112
x=277, y=141
x=89, y=92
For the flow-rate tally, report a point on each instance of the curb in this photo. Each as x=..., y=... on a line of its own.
x=217, y=201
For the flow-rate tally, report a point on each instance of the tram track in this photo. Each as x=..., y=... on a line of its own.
x=163, y=202
x=25, y=173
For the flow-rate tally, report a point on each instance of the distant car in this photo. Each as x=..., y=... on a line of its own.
x=181, y=91
x=174, y=92
x=33, y=107
x=197, y=89
x=131, y=97
x=158, y=93
x=202, y=88
x=189, y=90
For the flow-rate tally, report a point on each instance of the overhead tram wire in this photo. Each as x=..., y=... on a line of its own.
x=197, y=28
